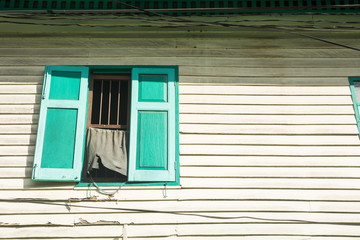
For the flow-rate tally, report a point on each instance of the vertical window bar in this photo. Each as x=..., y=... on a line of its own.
x=118, y=106
x=101, y=100
x=109, y=111
x=128, y=107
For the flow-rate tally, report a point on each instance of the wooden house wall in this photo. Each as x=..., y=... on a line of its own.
x=269, y=147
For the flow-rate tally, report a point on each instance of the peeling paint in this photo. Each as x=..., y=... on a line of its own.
x=83, y=222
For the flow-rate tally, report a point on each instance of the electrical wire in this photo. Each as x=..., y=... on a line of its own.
x=80, y=17
x=134, y=9
x=102, y=191
x=177, y=20
x=181, y=22
x=234, y=25
x=192, y=214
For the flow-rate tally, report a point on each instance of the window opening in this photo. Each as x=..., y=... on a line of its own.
x=108, y=108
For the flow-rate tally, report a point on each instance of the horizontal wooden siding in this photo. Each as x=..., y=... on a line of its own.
x=269, y=146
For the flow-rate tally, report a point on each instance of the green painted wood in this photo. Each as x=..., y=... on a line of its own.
x=153, y=88
x=355, y=94
x=65, y=85
x=59, y=139
x=152, y=155
x=61, y=129
x=152, y=141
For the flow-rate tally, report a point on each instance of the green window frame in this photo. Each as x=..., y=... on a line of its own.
x=355, y=93
x=153, y=145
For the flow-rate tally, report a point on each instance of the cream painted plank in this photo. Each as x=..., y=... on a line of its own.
x=79, y=238
x=266, y=100
x=248, y=229
x=268, y=119
x=194, y=181
x=267, y=182
x=181, y=218
x=17, y=89
x=210, y=205
x=251, y=217
x=126, y=42
x=68, y=60
x=260, y=109
x=193, y=194
x=206, y=238
x=268, y=72
x=17, y=150
x=258, y=62
x=21, y=71
x=33, y=52
x=18, y=129
x=259, y=161
x=16, y=161
x=20, y=108
x=144, y=193
x=268, y=229
x=152, y=230
x=268, y=129
x=165, y=52
x=267, y=194
x=27, y=183
x=270, y=172
x=268, y=237
x=82, y=208
x=332, y=206
x=315, y=140
x=19, y=118
x=70, y=231
x=31, y=31
x=17, y=139
x=11, y=172
x=21, y=80
x=289, y=81
x=184, y=61
x=16, y=99
x=281, y=90
x=270, y=150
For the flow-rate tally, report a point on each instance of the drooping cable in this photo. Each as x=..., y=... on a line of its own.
x=190, y=214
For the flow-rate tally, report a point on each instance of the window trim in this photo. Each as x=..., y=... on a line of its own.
x=127, y=70
x=356, y=100
x=99, y=69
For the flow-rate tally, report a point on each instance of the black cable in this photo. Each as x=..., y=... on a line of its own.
x=234, y=25
x=134, y=9
x=267, y=27
x=70, y=205
x=319, y=39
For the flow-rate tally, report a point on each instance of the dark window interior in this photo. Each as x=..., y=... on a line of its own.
x=109, y=108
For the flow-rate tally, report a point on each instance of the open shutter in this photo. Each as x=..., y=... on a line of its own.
x=61, y=128
x=355, y=92
x=152, y=126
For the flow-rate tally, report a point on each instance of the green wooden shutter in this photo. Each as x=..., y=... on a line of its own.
x=61, y=128
x=152, y=126
x=355, y=92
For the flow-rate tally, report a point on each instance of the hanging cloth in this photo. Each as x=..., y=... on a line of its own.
x=109, y=147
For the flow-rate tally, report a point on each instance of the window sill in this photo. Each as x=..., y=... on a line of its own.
x=155, y=185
